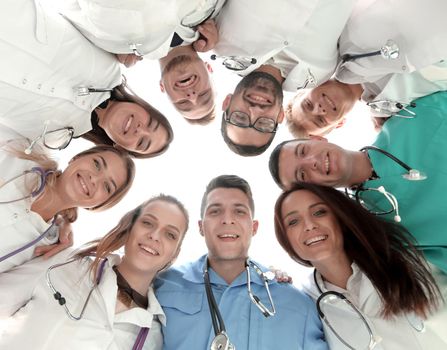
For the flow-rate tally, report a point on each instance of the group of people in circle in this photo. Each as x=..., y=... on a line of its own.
x=369, y=222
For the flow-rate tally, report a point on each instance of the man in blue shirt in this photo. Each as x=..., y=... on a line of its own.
x=227, y=224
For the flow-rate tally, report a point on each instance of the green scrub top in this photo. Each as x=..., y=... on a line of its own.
x=421, y=143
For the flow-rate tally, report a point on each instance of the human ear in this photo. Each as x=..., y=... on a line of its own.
x=226, y=102
x=255, y=226
x=200, y=227
x=208, y=67
x=280, y=116
x=162, y=87
x=341, y=122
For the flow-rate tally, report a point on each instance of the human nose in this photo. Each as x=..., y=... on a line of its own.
x=191, y=95
x=154, y=234
x=309, y=162
x=227, y=218
x=309, y=223
x=319, y=109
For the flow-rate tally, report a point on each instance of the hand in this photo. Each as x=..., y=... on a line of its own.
x=281, y=276
x=208, y=36
x=128, y=59
x=65, y=240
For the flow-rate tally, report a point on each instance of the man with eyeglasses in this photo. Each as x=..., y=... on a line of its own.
x=290, y=44
x=225, y=292
x=409, y=189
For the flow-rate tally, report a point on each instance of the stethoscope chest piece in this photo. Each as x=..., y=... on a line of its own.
x=414, y=175
x=222, y=342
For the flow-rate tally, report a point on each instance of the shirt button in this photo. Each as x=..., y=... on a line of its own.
x=83, y=102
x=39, y=86
x=52, y=89
x=404, y=67
x=24, y=81
x=27, y=210
x=15, y=216
x=286, y=43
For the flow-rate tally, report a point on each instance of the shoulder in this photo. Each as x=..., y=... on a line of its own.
x=178, y=277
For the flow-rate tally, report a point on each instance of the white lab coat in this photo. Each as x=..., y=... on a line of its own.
x=37, y=320
x=44, y=60
x=420, y=31
x=303, y=33
x=394, y=334
x=18, y=223
x=145, y=25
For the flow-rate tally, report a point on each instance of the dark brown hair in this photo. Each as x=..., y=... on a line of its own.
x=118, y=236
x=383, y=250
x=123, y=93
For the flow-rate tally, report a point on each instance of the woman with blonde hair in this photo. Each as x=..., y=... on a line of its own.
x=36, y=197
x=102, y=301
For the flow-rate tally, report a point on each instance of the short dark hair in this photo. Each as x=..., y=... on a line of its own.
x=243, y=150
x=274, y=162
x=228, y=181
x=383, y=250
x=123, y=93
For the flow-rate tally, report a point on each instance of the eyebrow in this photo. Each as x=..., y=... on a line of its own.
x=309, y=207
x=236, y=205
x=156, y=219
x=156, y=127
x=105, y=167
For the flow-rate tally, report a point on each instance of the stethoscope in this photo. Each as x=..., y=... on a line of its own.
x=221, y=340
x=52, y=231
x=332, y=297
x=142, y=334
x=236, y=63
x=410, y=175
x=57, y=139
x=391, y=108
x=85, y=90
x=389, y=51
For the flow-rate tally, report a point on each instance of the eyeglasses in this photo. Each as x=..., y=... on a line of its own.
x=242, y=120
x=54, y=139
x=31, y=182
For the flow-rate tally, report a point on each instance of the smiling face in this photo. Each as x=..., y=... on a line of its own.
x=319, y=110
x=130, y=126
x=311, y=227
x=314, y=161
x=90, y=180
x=227, y=224
x=186, y=80
x=257, y=95
x=155, y=238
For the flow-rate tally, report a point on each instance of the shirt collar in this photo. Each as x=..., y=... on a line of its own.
x=195, y=275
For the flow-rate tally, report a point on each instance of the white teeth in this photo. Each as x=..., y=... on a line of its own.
x=259, y=98
x=129, y=123
x=316, y=239
x=228, y=236
x=186, y=82
x=83, y=185
x=326, y=163
x=149, y=250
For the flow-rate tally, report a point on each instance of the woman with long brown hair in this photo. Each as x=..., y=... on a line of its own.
x=103, y=301
x=373, y=288
x=56, y=82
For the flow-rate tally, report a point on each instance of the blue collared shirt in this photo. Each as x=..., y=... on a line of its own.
x=181, y=293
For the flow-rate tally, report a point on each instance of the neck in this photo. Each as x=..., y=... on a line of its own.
x=335, y=270
x=227, y=269
x=273, y=71
x=362, y=168
x=49, y=203
x=137, y=279
x=177, y=51
x=356, y=90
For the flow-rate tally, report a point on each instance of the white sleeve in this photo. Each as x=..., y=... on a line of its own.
x=17, y=285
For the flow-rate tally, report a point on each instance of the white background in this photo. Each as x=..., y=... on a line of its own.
x=198, y=154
